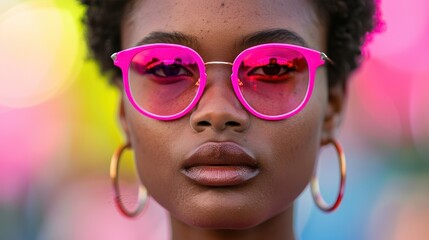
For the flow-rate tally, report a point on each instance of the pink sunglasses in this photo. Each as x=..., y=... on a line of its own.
x=272, y=81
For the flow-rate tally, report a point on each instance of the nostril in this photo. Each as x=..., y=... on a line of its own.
x=227, y=124
x=232, y=124
x=204, y=124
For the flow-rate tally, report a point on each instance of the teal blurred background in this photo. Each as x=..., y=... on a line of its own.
x=58, y=129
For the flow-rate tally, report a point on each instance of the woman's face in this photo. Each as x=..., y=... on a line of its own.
x=219, y=166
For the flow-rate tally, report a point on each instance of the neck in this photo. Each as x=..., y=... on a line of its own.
x=279, y=227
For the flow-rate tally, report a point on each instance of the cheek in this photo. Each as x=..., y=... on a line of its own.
x=292, y=148
x=294, y=152
x=152, y=142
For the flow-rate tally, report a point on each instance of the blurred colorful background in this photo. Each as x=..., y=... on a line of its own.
x=58, y=129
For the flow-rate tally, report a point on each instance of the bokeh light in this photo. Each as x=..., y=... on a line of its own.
x=402, y=44
x=40, y=52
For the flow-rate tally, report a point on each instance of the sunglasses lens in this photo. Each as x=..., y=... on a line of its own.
x=273, y=80
x=164, y=80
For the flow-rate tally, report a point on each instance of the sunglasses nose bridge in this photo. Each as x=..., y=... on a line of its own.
x=217, y=63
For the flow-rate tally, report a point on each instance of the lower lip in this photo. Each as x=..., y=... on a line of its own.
x=220, y=176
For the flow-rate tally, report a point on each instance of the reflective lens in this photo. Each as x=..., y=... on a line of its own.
x=273, y=80
x=164, y=80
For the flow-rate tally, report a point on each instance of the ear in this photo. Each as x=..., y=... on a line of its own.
x=334, y=112
x=123, y=117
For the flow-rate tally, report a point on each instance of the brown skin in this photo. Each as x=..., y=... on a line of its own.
x=286, y=150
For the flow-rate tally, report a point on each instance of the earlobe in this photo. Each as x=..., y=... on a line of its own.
x=122, y=116
x=334, y=112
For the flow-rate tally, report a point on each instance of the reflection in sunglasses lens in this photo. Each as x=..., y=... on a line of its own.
x=274, y=80
x=163, y=80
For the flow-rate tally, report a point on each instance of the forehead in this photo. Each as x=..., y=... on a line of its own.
x=220, y=24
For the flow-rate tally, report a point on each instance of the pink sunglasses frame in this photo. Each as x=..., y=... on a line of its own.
x=314, y=60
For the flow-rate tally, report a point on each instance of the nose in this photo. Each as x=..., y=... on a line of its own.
x=219, y=108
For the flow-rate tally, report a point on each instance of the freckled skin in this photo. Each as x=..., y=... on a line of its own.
x=286, y=150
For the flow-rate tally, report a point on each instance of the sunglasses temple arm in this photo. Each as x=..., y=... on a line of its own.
x=114, y=56
x=326, y=58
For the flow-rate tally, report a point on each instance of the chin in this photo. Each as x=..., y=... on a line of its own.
x=226, y=224
x=231, y=219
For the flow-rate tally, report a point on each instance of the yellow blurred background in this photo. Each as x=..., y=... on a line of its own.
x=58, y=129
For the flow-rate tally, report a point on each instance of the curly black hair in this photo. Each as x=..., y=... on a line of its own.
x=350, y=23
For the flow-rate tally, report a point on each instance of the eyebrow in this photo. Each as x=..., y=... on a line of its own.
x=169, y=37
x=278, y=35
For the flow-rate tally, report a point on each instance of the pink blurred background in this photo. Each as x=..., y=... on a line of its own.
x=58, y=129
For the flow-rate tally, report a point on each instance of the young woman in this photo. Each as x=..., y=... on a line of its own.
x=226, y=104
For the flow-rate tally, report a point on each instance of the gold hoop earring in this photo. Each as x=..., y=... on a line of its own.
x=315, y=190
x=114, y=175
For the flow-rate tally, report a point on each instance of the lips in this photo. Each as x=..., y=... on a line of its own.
x=220, y=164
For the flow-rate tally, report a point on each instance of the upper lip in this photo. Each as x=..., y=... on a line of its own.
x=220, y=154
